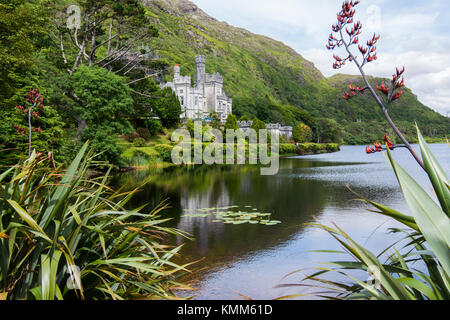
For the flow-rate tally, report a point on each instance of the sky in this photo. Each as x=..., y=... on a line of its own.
x=414, y=34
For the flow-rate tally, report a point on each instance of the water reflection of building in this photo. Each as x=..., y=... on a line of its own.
x=203, y=228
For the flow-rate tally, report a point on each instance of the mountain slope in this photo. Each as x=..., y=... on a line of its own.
x=262, y=75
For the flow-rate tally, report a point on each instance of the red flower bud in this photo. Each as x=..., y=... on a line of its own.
x=397, y=95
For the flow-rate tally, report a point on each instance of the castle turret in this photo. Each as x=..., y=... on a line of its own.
x=200, y=63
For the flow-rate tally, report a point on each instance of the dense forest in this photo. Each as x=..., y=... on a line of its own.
x=98, y=74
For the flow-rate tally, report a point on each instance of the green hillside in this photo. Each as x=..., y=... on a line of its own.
x=267, y=79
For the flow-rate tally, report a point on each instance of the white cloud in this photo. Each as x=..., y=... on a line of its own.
x=427, y=75
x=414, y=34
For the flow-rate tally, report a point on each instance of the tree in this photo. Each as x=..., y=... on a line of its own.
x=302, y=133
x=168, y=109
x=244, y=118
x=258, y=125
x=104, y=101
x=154, y=126
x=21, y=32
x=190, y=126
x=328, y=131
x=109, y=34
x=102, y=33
x=231, y=123
x=103, y=109
x=216, y=123
x=391, y=91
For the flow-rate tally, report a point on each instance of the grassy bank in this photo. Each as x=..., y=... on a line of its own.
x=158, y=152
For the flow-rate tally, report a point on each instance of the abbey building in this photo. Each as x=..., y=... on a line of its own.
x=207, y=95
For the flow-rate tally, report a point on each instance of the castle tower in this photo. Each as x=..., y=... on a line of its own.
x=200, y=64
x=176, y=71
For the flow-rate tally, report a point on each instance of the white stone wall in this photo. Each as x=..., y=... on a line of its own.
x=205, y=97
x=272, y=128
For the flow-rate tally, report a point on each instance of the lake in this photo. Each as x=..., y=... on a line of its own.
x=252, y=259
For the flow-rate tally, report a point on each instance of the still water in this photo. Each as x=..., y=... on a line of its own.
x=252, y=259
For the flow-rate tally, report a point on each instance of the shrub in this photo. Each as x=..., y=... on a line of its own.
x=231, y=123
x=302, y=133
x=333, y=147
x=286, y=148
x=132, y=136
x=139, y=143
x=165, y=151
x=154, y=126
x=144, y=133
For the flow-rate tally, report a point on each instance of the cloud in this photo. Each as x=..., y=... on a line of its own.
x=427, y=75
x=414, y=34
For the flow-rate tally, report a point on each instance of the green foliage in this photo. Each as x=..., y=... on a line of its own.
x=165, y=152
x=144, y=133
x=302, y=133
x=286, y=148
x=139, y=143
x=154, y=126
x=105, y=104
x=141, y=157
x=216, y=123
x=105, y=99
x=52, y=221
x=316, y=148
x=328, y=131
x=108, y=146
x=22, y=32
x=168, y=109
x=190, y=126
x=231, y=123
x=51, y=138
x=258, y=125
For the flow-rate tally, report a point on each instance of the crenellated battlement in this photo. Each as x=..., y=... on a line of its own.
x=200, y=59
x=182, y=80
x=245, y=124
x=216, y=77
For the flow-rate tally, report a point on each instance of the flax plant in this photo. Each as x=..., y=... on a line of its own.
x=64, y=235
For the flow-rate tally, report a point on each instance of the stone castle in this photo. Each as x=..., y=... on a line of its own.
x=208, y=96
x=273, y=128
x=205, y=97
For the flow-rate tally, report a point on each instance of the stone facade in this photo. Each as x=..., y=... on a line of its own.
x=276, y=129
x=205, y=97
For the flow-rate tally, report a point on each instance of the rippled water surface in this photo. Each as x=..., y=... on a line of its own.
x=253, y=259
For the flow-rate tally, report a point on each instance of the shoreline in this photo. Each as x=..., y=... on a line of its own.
x=155, y=161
